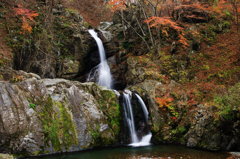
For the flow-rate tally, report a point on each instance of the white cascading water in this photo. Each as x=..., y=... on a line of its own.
x=130, y=121
x=129, y=117
x=145, y=139
x=105, y=77
x=145, y=111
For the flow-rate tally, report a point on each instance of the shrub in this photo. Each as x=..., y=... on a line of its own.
x=229, y=101
x=31, y=105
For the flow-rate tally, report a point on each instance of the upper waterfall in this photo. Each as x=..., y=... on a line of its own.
x=104, y=74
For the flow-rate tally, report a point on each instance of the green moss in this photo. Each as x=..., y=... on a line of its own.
x=73, y=11
x=86, y=25
x=68, y=131
x=6, y=156
x=100, y=138
x=182, y=129
x=96, y=136
x=84, y=147
x=57, y=125
x=110, y=107
x=36, y=153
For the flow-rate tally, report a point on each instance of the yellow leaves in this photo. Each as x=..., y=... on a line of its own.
x=164, y=102
x=17, y=78
x=26, y=27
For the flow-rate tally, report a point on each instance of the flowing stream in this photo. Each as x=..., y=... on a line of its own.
x=104, y=74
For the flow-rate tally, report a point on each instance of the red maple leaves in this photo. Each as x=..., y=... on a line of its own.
x=26, y=16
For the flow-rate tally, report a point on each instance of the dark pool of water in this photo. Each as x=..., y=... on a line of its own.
x=153, y=151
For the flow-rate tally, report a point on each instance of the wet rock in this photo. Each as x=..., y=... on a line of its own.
x=192, y=142
x=234, y=144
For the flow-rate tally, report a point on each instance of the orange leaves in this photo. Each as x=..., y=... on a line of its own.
x=166, y=21
x=183, y=40
x=117, y=4
x=26, y=16
x=158, y=21
x=164, y=102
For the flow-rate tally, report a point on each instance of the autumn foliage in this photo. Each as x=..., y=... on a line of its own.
x=117, y=4
x=164, y=102
x=26, y=16
x=167, y=22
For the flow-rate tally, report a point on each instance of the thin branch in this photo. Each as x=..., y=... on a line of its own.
x=140, y=27
x=135, y=31
x=149, y=30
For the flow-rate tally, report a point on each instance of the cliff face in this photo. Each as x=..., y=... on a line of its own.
x=199, y=125
x=47, y=116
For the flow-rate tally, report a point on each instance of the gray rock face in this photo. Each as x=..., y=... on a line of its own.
x=70, y=68
x=49, y=116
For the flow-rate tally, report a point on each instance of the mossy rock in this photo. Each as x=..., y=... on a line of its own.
x=6, y=156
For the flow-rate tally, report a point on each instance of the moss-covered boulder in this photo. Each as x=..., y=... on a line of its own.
x=56, y=115
x=6, y=156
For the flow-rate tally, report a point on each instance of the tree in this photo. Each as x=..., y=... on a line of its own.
x=157, y=19
x=236, y=12
x=158, y=22
x=26, y=16
x=117, y=5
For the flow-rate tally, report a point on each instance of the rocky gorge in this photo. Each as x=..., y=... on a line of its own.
x=47, y=107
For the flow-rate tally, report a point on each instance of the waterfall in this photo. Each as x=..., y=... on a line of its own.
x=130, y=121
x=145, y=111
x=146, y=139
x=129, y=117
x=104, y=75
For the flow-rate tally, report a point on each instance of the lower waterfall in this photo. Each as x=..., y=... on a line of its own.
x=129, y=117
x=145, y=141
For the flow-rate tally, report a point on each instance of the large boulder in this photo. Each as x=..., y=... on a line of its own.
x=45, y=116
